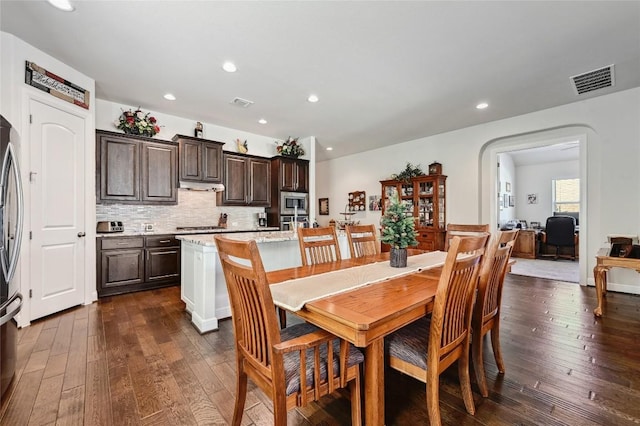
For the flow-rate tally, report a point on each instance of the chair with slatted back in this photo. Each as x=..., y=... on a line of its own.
x=425, y=348
x=463, y=230
x=486, y=313
x=362, y=240
x=273, y=358
x=318, y=245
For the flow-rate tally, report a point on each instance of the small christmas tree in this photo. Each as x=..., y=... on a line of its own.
x=398, y=226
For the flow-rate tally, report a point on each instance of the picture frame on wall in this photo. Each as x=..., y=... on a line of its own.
x=505, y=200
x=507, y=186
x=512, y=201
x=532, y=198
x=323, y=206
x=375, y=203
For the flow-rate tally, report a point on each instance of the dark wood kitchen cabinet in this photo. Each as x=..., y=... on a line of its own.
x=127, y=264
x=247, y=181
x=135, y=169
x=292, y=174
x=200, y=159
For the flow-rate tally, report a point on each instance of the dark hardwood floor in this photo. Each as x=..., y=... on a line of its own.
x=136, y=359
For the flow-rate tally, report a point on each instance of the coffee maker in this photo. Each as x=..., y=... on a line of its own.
x=262, y=219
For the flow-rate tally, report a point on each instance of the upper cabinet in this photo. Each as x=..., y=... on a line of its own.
x=292, y=174
x=247, y=181
x=200, y=159
x=135, y=169
x=425, y=198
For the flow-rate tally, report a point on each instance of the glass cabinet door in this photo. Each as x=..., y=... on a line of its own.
x=425, y=203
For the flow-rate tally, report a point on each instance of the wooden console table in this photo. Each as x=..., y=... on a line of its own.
x=526, y=245
x=604, y=262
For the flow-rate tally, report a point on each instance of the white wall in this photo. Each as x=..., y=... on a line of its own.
x=536, y=179
x=14, y=100
x=508, y=187
x=608, y=125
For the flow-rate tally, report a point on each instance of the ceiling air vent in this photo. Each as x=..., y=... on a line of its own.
x=593, y=80
x=244, y=103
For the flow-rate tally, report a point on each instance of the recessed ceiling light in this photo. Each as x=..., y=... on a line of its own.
x=329, y=148
x=229, y=67
x=64, y=5
x=169, y=97
x=482, y=105
x=312, y=98
x=262, y=121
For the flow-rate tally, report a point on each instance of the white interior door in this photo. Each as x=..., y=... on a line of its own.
x=56, y=179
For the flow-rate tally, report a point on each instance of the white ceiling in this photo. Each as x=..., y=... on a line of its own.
x=566, y=151
x=385, y=72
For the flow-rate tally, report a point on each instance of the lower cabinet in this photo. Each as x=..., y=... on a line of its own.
x=526, y=244
x=127, y=264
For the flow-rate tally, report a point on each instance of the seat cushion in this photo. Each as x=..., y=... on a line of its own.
x=292, y=359
x=410, y=343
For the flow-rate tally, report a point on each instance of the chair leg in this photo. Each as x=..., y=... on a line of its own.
x=241, y=395
x=356, y=401
x=465, y=381
x=279, y=409
x=433, y=397
x=478, y=363
x=495, y=345
x=283, y=317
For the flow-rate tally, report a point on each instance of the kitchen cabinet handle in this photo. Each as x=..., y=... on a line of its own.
x=164, y=241
x=122, y=243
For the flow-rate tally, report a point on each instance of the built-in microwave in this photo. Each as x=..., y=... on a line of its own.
x=292, y=203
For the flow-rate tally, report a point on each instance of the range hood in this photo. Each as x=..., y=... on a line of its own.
x=201, y=186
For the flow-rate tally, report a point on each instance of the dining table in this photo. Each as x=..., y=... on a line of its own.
x=365, y=314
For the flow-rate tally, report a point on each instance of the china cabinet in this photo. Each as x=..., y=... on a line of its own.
x=425, y=198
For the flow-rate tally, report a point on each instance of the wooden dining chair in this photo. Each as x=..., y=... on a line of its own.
x=274, y=358
x=486, y=313
x=319, y=244
x=463, y=230
x=362, y=240
x=445, y=336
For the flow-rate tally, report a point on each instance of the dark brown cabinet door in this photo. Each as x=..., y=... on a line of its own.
x=200, y=160
x=121, y=268
x=293, y=174
x=247, y=181
x=259, y=182
x=119, y=169
x=135, y=170
x=159, y=174
x=212, y=162
x=235, y=180
x=162, y=264
x=190, y=160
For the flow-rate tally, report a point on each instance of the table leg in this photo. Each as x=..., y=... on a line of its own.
x=374, y=383
x=600, y=277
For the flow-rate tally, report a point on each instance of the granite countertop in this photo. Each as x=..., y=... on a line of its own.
x=130, y=233
x=260, y=237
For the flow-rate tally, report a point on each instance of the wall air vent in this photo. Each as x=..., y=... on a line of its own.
x=244, y=103
x=593, y=80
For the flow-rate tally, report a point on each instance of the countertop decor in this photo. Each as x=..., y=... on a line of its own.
x=290, y=148
x=137, y=123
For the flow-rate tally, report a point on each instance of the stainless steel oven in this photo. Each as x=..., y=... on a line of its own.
x=292, y=203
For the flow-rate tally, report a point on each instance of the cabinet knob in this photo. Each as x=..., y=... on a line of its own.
x=81, y=234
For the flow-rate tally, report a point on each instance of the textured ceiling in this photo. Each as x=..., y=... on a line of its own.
x=385, y=72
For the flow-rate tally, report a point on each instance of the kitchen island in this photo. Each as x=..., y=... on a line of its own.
x=203, y=287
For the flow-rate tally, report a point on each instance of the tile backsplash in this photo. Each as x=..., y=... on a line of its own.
x=194, y=208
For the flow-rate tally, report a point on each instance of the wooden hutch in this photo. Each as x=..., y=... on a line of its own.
x=425, y=197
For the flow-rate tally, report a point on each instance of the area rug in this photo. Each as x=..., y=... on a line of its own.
x=561, y=270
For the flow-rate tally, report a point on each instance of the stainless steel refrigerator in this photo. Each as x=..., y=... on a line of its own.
x=11, y=217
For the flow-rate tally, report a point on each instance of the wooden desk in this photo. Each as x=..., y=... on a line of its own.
x=365, y=315
x=526, y=245
x=604, y=262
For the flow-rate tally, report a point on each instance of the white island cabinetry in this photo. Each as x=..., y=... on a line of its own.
x=203, y=288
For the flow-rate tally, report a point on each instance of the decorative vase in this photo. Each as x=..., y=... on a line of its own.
x=398, y=257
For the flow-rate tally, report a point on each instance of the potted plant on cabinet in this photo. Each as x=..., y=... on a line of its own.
x=399, y=231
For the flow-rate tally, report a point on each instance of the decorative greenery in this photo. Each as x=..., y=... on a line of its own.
x=290, y=148
x=409, y=171
x=398, y=226
x=137, y=123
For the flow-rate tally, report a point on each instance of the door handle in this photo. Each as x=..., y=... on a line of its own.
x=81, y=234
